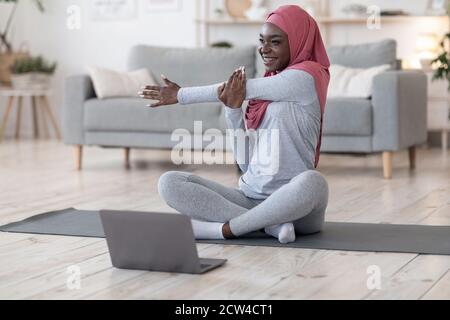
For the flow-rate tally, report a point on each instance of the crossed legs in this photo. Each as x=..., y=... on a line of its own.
x=302, y=201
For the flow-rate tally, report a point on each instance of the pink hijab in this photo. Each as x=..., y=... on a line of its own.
x=307, y=54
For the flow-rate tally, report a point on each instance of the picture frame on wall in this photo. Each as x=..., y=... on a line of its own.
x=161, y=5
x=437, y=7
x=101, y=10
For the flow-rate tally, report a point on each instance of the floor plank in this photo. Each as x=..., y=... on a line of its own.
x=39, y=176
x=414, y=279
x=440, y=290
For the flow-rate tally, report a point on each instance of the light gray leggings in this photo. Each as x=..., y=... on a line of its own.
x=302, y=201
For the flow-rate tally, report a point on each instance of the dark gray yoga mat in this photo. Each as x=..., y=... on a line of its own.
x=420, y=239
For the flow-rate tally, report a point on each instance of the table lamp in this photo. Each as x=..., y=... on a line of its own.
x=426, y=49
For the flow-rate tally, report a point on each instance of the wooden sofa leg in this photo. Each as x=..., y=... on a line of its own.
x=387, y=164
x=78, y=156
x=127, y=157
x=412, y=157
x=444, y=140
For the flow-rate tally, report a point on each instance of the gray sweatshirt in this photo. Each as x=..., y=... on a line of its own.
x=284, y=145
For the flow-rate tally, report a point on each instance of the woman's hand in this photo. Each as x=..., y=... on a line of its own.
x=165, y=95
x=232, y=93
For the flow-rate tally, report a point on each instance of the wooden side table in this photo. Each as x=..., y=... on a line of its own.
x=39, y=98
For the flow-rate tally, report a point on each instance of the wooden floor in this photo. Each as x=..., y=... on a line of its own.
x=39, y=176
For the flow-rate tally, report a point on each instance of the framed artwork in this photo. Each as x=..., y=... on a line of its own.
x=161, y=5
x=112, y=9
x=437, y=7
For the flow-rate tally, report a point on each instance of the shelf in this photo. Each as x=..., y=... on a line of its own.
x=323, y=20
x=386, y=19
x=204, y=22
x=228, y=21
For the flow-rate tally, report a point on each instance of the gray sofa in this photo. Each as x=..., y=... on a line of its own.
x=393, y=119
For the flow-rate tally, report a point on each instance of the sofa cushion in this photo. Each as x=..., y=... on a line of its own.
x=365, y=55
x=192, y=66
x=131, y=114
x=348, y=116
x=110, y=83
x=352, y=82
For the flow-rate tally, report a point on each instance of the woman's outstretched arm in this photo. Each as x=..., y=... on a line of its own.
x=289, y=85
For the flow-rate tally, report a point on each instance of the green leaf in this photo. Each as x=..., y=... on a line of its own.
x=443, y=59
x=33, y=64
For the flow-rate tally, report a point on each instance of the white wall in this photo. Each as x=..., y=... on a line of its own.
x=102, y=43
x=106, y=43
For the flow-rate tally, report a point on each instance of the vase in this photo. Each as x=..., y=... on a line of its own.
x=7, y=59
x=256, y=11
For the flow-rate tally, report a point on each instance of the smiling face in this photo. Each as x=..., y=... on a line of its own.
x=274, y=47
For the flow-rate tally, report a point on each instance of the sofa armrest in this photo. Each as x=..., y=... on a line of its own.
x=399, y=101
x=77, y=89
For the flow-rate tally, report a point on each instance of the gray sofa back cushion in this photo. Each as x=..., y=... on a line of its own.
x=365, y=55
x=356, y=56
x=192, y=66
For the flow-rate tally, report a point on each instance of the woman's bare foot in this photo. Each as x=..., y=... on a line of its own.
x=226, y=231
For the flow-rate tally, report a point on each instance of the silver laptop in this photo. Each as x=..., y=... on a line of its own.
x=153, y=241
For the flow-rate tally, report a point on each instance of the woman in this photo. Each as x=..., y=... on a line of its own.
x=289, y=99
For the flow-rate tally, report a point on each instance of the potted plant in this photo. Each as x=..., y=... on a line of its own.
x=7, y=52
x=222, y=44
x=441, y=64
x=32, y=73
x=219, y=12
